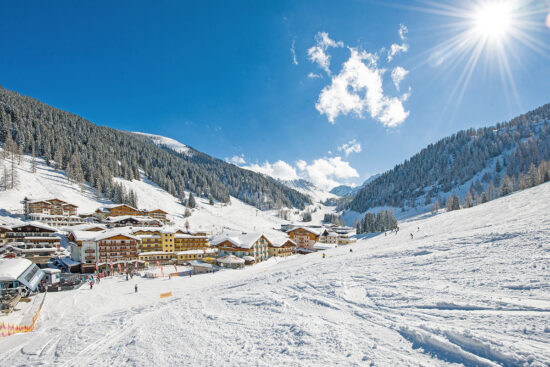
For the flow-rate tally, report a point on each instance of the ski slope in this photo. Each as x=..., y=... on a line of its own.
x=471, y=288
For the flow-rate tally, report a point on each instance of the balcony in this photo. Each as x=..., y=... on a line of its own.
x=89, y=251
x=90, y=257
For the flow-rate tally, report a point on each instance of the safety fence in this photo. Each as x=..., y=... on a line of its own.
x=7, y=329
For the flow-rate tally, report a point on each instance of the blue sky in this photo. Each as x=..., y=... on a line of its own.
x=249, y=80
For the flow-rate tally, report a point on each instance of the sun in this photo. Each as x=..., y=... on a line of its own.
x=493, y=19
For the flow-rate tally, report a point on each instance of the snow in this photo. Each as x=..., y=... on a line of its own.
x=169, y=142
x=471, y=288
x=11, y=269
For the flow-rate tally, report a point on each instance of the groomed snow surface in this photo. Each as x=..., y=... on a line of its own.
x=471, y=288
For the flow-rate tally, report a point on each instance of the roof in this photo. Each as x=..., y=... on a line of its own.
x=51, y=271
x=315, y=232
x=85, y=227
x=324, y=246
x=246, y=240
x=35, y=224
x=198, y=252
x=249, y=258
x=68, y=261
x=11, y=269
x=84, y=235
x=281, y=244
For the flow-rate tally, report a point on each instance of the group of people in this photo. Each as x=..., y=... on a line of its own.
x=97, y=279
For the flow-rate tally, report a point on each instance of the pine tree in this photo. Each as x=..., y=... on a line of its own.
x=191, y=201
x=187, y=212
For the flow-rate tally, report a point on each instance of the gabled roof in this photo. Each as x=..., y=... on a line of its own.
x=246, y=240
x=86, y=227
x=34, y=224
x=282, y=243
x=314, y=231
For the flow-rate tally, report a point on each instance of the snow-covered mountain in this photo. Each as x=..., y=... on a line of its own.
x=345, y=190
x=308, y=188
x=167, y=142
x=470, y=289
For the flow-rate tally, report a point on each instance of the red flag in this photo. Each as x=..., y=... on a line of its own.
x=136, y=264
x=124, y=264
x=96, y=266
x=111, y=260
x=119, y=268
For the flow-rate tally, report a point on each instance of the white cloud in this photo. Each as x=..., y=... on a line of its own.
x=358, y=88
x=301, y=164
x=351, y=146
x=397, y=75
x=397, y=48
x=403, y=30
x=293, y=52
x=324, y=173
x=313, y=76
x=279, y=169
x=237, y=160
x=327, y=173
x=318, y=54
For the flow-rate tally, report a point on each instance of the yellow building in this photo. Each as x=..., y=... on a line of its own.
x=283, y=249
x=166, y=245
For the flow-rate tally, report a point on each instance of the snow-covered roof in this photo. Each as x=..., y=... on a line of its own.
x=68, y=261
x=311, y=230
x=84, y=235
x=35, y=224
x=281, y=243
x=230, y=259
x=11, y=269
x=84, y=227
x=51, y=271
x=249, y=258
x=246, y=240
x=324, y=246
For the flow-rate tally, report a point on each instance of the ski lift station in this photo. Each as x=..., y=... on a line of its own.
x=19, y=275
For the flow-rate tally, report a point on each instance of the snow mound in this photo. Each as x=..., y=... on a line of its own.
x=168, y=142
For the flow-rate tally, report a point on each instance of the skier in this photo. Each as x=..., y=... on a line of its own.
x=412, y=236
x=323, y=255
x=350, y=250
x=91, y=284
x=126, y=276
x=135, y=288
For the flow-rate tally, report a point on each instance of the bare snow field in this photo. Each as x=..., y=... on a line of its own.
x=471, y=288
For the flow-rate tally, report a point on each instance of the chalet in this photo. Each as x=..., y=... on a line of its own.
x=103, y=248
x=282, y=248
x=127, y=210
x=50, y=207
x=157, y=214
x=332, y=237
x=33, y=232
x=88, y=227
x=252, y=245
x=305, y=237
x=53, y=212
x=126, y=220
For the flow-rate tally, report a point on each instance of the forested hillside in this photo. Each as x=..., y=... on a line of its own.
x=491, y=161
x=96, y=154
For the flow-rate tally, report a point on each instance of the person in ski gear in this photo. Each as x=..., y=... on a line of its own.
x=135, y=288
x=126, y=276
x=350, y=250
x=323, y=255
x=91, y=284
x=412, y=236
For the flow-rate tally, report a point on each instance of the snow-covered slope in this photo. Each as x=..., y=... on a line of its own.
x=471, y=288
x=344, y=190
x=48, y=182
x=308, y=188
x=168, y=142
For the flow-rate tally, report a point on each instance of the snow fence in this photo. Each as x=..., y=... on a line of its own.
x=27, y=322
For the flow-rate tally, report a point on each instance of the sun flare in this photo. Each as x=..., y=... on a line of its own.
x=493, y=19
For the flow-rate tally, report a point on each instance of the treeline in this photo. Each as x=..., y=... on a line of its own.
x=535, y=175
x=379, y=222
x=505, y=149
x=333, y=219
x=96, y=154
